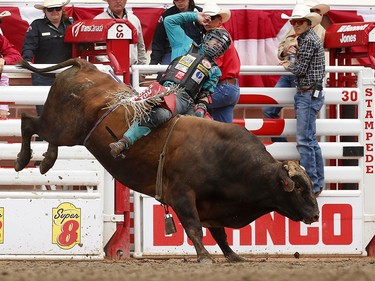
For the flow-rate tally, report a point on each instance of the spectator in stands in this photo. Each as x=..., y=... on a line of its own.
x=309, y=69
x=116, y=10
x=286, y=51
x=161, y=48
x=227, y=92
x=44, y=41
x=8, y=55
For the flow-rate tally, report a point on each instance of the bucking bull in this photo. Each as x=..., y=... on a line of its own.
x=212, y=174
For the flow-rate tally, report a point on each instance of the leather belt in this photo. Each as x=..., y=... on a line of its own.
x=232, y=81
x=304, y=88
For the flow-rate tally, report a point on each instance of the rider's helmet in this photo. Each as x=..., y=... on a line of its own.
x=216, y=42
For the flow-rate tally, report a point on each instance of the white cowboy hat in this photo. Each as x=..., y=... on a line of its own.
x=212, y=9
x=314, y=4
x=303, y=12
x=4, y=14
x=51, y=4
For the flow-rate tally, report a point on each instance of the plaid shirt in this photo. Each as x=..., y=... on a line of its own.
x=309, y=66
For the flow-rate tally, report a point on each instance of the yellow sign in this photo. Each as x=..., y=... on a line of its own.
x=66, y=226
x=187, y=60
x=1, y=225
x=203, y=69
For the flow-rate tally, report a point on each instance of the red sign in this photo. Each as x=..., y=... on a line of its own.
x=348, y=34
x=96, y=30
x=274, y=226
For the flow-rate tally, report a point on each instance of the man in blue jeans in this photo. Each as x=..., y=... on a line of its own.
x=227, y=91
x=309, y=69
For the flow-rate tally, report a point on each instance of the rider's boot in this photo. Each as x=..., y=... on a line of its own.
x=134, y=133
x=119, y=146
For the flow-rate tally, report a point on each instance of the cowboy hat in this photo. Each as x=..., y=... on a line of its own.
x=303, y=12
x=51, y=4
x=314, y=4
x=4, y=14
x=212, y=9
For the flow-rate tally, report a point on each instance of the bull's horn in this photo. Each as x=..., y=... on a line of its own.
x=294, y=169
x=296, y=172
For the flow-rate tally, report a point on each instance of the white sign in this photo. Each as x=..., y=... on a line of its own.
x=119, y=31
x=28, y=227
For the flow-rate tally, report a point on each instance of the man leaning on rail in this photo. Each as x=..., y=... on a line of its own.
x=309, y=69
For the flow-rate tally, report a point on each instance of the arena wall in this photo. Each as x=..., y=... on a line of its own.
x=347, y=215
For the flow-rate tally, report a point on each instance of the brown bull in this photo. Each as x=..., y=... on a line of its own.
x=214, y=175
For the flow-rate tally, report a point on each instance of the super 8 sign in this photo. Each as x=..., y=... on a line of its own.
x=66, y=226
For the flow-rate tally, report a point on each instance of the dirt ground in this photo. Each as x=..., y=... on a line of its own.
x=181, y=269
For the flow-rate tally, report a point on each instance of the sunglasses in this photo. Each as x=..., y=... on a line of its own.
x=214, y=17
x=57, y=9
x=297, y=22
x=315, y=11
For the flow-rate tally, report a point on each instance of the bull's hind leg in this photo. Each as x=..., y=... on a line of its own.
x=28, y=129
x=221, y=239
x=49, y=159
x=188, y=215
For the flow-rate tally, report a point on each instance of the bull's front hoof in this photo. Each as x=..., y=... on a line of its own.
x=206, y=259
x=234, y=258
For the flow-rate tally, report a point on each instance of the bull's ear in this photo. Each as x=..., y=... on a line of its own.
x=286, y=182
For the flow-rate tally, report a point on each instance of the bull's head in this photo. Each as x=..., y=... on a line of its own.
x=301, y=205
x=296, y=175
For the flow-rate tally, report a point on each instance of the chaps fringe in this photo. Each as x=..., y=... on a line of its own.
x=141, y=108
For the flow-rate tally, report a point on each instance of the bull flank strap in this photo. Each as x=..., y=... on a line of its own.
x=110, y=110
x=159, y=175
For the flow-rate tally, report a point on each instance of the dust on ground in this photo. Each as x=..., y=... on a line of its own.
x=181, y=269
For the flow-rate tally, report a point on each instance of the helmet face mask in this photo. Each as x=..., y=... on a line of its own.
x=216, y=42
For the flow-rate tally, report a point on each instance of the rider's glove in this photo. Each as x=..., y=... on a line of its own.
x=200, y=110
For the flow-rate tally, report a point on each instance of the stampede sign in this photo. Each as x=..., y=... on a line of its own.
x=66, y=226
x=1, y=225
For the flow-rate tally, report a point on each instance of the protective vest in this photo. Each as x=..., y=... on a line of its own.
x=189, y=71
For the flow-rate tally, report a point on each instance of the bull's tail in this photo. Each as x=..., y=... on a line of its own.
x=71, y=62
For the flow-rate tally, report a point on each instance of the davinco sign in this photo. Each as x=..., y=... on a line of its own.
x=276, y=227
x=66, y=226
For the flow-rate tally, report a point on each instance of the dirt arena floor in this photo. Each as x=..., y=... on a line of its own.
x=181, y=269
